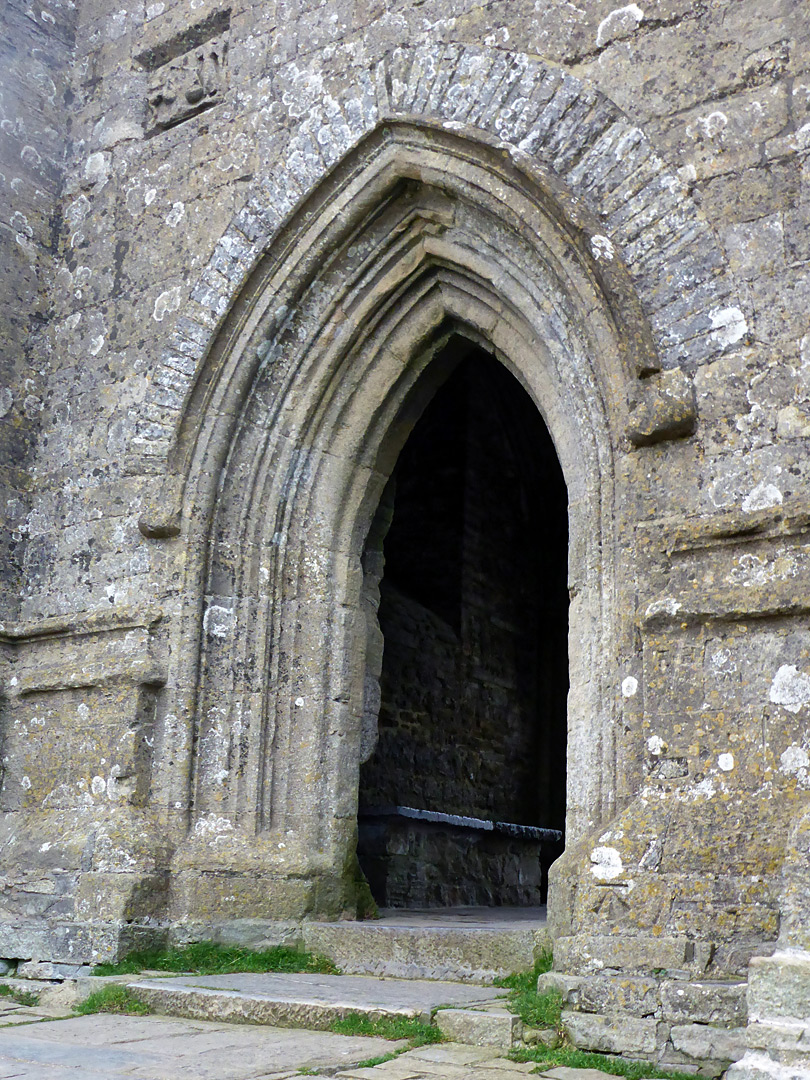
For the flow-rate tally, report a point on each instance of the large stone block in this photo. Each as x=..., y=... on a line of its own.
x=779, y=986
x=706, y=1041
x=586, y=955
x=491, y=1027
x=614, y=1034
x=703, y=1002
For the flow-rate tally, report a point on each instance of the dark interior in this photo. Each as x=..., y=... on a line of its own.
x=474, y=614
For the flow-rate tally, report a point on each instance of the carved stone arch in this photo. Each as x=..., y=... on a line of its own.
x=324, y=367
x=640, y=216
x=281, y=320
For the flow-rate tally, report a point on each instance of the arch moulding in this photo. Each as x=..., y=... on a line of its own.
x=299, y=387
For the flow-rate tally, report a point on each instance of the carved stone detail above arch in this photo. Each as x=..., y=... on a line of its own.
x=662, y=272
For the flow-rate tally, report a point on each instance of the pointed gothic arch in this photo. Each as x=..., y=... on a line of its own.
x=322, y=371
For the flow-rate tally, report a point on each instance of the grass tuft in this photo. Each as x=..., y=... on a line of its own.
x=22, y=997
x=527, y=980
x=369, y=1063
x=208, y=958
x=388, y=1027
x=113, y=999
x=538, y=1010
x=535, y=1010
x=582, y=1059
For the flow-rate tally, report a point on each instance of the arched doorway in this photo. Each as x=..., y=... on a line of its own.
x=462, y=793
x=306, y=420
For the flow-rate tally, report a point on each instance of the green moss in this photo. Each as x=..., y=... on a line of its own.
x=581, y=1059
x=113, y=999
x=369, y=1063
x=22, y=997
x=208, y=958
x=388, y=1027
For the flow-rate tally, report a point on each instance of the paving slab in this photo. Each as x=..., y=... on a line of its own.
x=447, y=1062
x=309, y=1001
x=103, y=1047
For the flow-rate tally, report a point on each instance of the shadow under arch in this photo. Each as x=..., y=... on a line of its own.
x=309, y=396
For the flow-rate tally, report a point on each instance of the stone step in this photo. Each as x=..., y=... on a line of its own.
x=618, y=954
x=709, y=1047
x=779, y=986
x=306, y=1001
x=676, y=1000
x=472, y=945
x=771, y=1065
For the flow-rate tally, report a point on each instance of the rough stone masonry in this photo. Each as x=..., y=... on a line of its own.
x=241, y=243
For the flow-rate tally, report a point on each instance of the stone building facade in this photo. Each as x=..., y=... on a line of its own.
x=244, y=246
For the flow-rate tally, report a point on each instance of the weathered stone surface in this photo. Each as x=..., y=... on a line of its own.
x=430, y=946
x=490, y=1027
x=703, y=1002
x=754, y=1066
x=241, y=249
x=705, y=1041
x=666, y=411
x=313, y=1001
x=779, y=986
x=92, y=1047
x=32, y=969
x=636, y=996
x=613, y=1034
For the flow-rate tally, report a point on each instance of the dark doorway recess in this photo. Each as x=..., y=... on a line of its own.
x=469, y=766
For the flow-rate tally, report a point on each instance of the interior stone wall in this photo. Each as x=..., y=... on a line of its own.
x=473, y=612
x=622, y=220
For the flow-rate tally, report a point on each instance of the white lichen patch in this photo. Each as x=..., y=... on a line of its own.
x=794, y=759
x=629, y=687
x=606, y=863
x=752, y=570
x=656, y=745
x=762, y=497
x=602, y=248
x=726, y=762
x=619, y=22
x=175, y=215
x=213, y=828
x=666, y=606
x=711, y=126
x=218, y=621
x=728, y=325
x=97, y=168
x=722, y=662
x=790, y=688
x=166, y=303
x=705, y=788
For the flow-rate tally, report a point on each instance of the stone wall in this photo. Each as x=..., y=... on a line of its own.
x=36, y=49
x=272, y=217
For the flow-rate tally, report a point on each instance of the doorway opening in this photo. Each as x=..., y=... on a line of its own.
x=462, y=786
